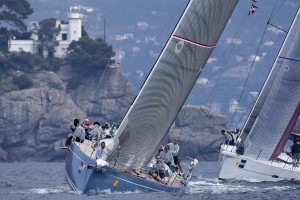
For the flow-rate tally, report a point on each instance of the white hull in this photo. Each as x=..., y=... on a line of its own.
x=234, y=166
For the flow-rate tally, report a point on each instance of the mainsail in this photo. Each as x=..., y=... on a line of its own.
x=169, y=83
x=278, y=105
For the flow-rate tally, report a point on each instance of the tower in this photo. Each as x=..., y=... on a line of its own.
x=75, y=19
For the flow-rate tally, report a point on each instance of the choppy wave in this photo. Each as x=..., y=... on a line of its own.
x=215, y=186
x=60, y=189
x=218, y=187
x=108, y=191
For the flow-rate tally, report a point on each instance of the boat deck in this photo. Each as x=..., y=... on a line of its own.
x=88, y=148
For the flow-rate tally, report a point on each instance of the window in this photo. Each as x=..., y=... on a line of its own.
x=64, y=36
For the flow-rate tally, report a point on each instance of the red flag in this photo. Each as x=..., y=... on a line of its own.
x=252, y=9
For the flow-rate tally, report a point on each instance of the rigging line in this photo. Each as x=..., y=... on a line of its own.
x=244, y=134
x=252, y=65
x=271, y=15
x=226, y=57
x=102, y=75
x=75, y=83
x=237, y=33
x=250, y=106
x=277, y=27
x=274, y=12
x=106, y=67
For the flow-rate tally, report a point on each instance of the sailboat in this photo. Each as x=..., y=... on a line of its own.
x=123, y=166
x=258, y=153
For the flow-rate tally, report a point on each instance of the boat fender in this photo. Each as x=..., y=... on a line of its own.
x=194, y=162
x=101, y=163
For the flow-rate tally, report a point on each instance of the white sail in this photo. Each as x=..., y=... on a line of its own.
x=277, y=107
x=170, y=81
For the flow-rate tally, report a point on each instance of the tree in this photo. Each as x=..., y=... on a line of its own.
x=13, y=12
x=83, y=32
x=5, y=35
x=47, y=33
x=90, y=53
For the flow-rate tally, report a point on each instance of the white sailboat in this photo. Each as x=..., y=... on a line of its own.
x=258, y=153
x=154, y=110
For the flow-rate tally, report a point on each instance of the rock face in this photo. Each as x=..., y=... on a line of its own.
x=35, y=122
x=198, y=131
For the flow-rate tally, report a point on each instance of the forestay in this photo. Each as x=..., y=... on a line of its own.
x=174, y=74
x=277, y=108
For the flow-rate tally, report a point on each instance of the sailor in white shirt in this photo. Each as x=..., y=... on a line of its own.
x=106, y=131
x=174, y=148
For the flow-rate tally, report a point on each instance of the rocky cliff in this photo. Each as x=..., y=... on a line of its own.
x=34, y=122
x=198, y=131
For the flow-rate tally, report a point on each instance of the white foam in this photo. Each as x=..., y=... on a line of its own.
x=48, y=190
x=281, y=188
x=108, y=191
x=204, y=186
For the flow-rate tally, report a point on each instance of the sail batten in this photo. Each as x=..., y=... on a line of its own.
x=170, y=81
x=289, y=58
x=276, y=109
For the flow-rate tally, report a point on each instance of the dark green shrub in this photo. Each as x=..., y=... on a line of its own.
x=22, y=82
x=72, y=85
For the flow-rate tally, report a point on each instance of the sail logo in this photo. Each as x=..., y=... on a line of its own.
x=81, y=167
x=179, y=47
x=241, y=164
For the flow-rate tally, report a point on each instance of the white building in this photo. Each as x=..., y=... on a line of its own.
x=215, y=108
x=68, y=33
x=234, y=107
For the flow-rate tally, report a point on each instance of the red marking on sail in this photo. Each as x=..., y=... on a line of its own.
x=286, y=133
x=193, y=42
x=252, y=9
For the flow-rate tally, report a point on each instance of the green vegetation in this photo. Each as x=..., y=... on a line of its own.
x=14, y=12
x=28, y=62
x=47, y=33
x=90, y=53
x=22, y=82
x=12, y=16
x=87, y=53
x=72, y=85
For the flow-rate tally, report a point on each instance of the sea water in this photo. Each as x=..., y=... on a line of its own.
x=22, y=181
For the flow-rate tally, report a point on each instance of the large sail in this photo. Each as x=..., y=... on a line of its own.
x=168, y=85
x=277, y=108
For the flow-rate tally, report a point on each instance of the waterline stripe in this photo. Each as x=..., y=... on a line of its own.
x=193, y=42
x=135, y=183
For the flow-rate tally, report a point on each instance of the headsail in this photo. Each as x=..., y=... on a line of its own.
x=170, y=81
x=277, y=107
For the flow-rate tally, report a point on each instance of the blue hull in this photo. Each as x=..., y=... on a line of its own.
x=90, y=181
